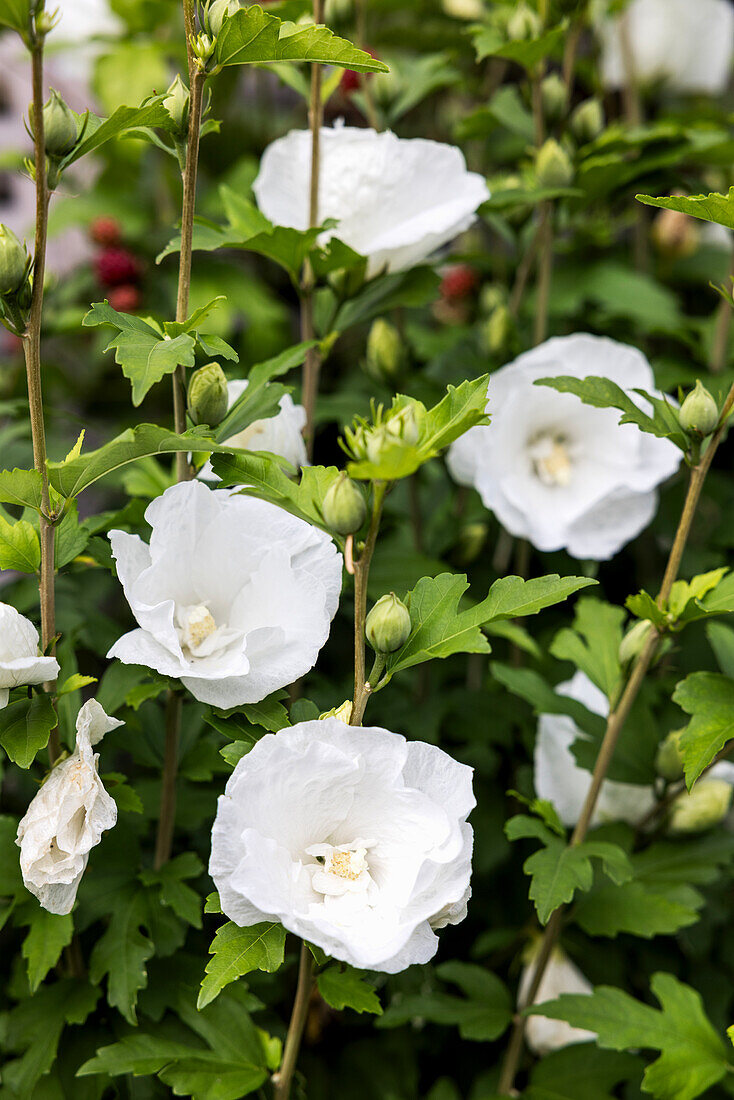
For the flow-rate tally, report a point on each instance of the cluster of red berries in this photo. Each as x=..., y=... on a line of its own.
x=116, y=268
x=459, y=281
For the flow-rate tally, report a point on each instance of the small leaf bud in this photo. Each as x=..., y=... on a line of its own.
x=587, y=120
x=208, y=398
x=388, y=624
x=554, y=95
x=344, y=506
x=634, y=640
x=384, y=350
x=177, y=104
x=523, y=23
x=13, y=261
x=202, y=47
x=60, y=130
x=497, y=330
x=707, y=805
x=553, y=165
x=699, y=413
x=668, y=760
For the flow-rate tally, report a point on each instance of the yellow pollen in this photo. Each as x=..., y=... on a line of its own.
x=342, y=865
x=551, y=462
x=199, y=625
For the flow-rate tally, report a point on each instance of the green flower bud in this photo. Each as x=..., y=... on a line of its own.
x=207, y=398
x=472, y=538
x=634, y=640
x=587, y=120
x=60, y=130
x=217, y=12
x=498, y=330
x=376, y=442
x=203, y=47
x=384, y=350
x=554, y=95
x=177, y=104
x=699, y=413
x=388, y=624
x=13, y=261
x=669, y=761
x=404, y=425
x=553, y=165
x=707, y=805
x=523, y=23
x=344, y=506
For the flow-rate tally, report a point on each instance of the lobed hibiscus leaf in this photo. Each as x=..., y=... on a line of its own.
x=122, y=952
x=260, y=399
x=482, y=1014
x=593, y=644
x=602, y=393
x=236, y=951
x=343, y=987
x=16, y=15
x=48, y=935
x=721, y=640
x=709, y=698
x=19, y=546
x=713, y=207
x=264, y=476
x=693, y=1056
x=581, y=1070
x=25, y=728
x=124, y=121
x=530, y=686
x=21, y=487
x=528, y=52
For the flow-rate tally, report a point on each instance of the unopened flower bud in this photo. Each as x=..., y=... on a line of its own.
x=343, y=713
x=344, y=506
x=177, y=104
x=675, y=235
x=388, y=624
x=587, y=120
x=554, y=95
x=523, y=23
x=217, y=12
x=376, y=441
x=13, y=261
x=207, y=397
x=699, y=413
x=472, y=538
x=668, y=760
x=707, y=805
x=203, y=47
x=60, y=129
x=384, y=350
x=634, y=640
x=404, y=425
x=553, y=165
x=497, y=330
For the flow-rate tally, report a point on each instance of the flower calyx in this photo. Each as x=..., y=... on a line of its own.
x=388, y=624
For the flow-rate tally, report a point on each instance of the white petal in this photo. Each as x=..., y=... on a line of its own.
x=544, y=1034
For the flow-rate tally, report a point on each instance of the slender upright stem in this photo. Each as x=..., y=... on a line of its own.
x=361, y=577
x=312, y=363
x=167, y=816
x=360, y=10
x=283, y=1079
x=615, y=724
x=32, y=353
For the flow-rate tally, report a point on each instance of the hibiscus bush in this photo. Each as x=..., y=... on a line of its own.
x=366, y=668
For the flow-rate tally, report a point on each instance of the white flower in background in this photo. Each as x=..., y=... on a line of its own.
x=71, y=45
x=233, y=596
x=353, y=838
x=396, y=200
x=280, y=434
x=688, y=44
x=67, y=817
x=562, y=474
x=543, y=1034
x=20, y=663
x=560, y=780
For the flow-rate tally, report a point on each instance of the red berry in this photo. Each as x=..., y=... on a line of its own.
x=351, y=81
x=115, y=266
x=105, y=231
x=125, y=299
x=458, y=282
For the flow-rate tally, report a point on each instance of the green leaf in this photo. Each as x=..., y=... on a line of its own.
x=531, y=687
x=693, y=1057
x=122, y=953
x=260, y=400
x=414, y=288
x=721, y=640
x=581, y=1071
x=528, y=52
x=481, y=1015
x=21, y=487
x=237, y=951
x=709, y=698
x=145, y=356
x=266, y=478
x=19, y=546
x=593, y=644
x=342, y=987
x=252, y=36
x=632, y=907
x=48, y=935
x=25, y=728
x=601, y=393
x=98, y=131
x=713, y=207
x=16, y=15
x=182, y=899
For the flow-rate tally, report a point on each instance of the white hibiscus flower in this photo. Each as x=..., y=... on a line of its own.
x=67, y=817
x=353, y=838
x=281, y=434
x=20, y=663
x=396, y=200
x=688, y=44
x=543, y=1034
x=558, y=472
x=233, y=596
x=560, y=780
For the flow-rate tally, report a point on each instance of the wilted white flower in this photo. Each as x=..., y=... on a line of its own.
x=353, y=838
x=396, y=200
x=67, y=817
x=19, y=660
x=233, y=596
x=686, y=43
x=558, y=472
x=543, y=1034
x=280, y=434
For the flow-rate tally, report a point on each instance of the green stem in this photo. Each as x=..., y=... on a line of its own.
x=167, y=815
x=614, y=727
x=361, y=578
x=283, y=1079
